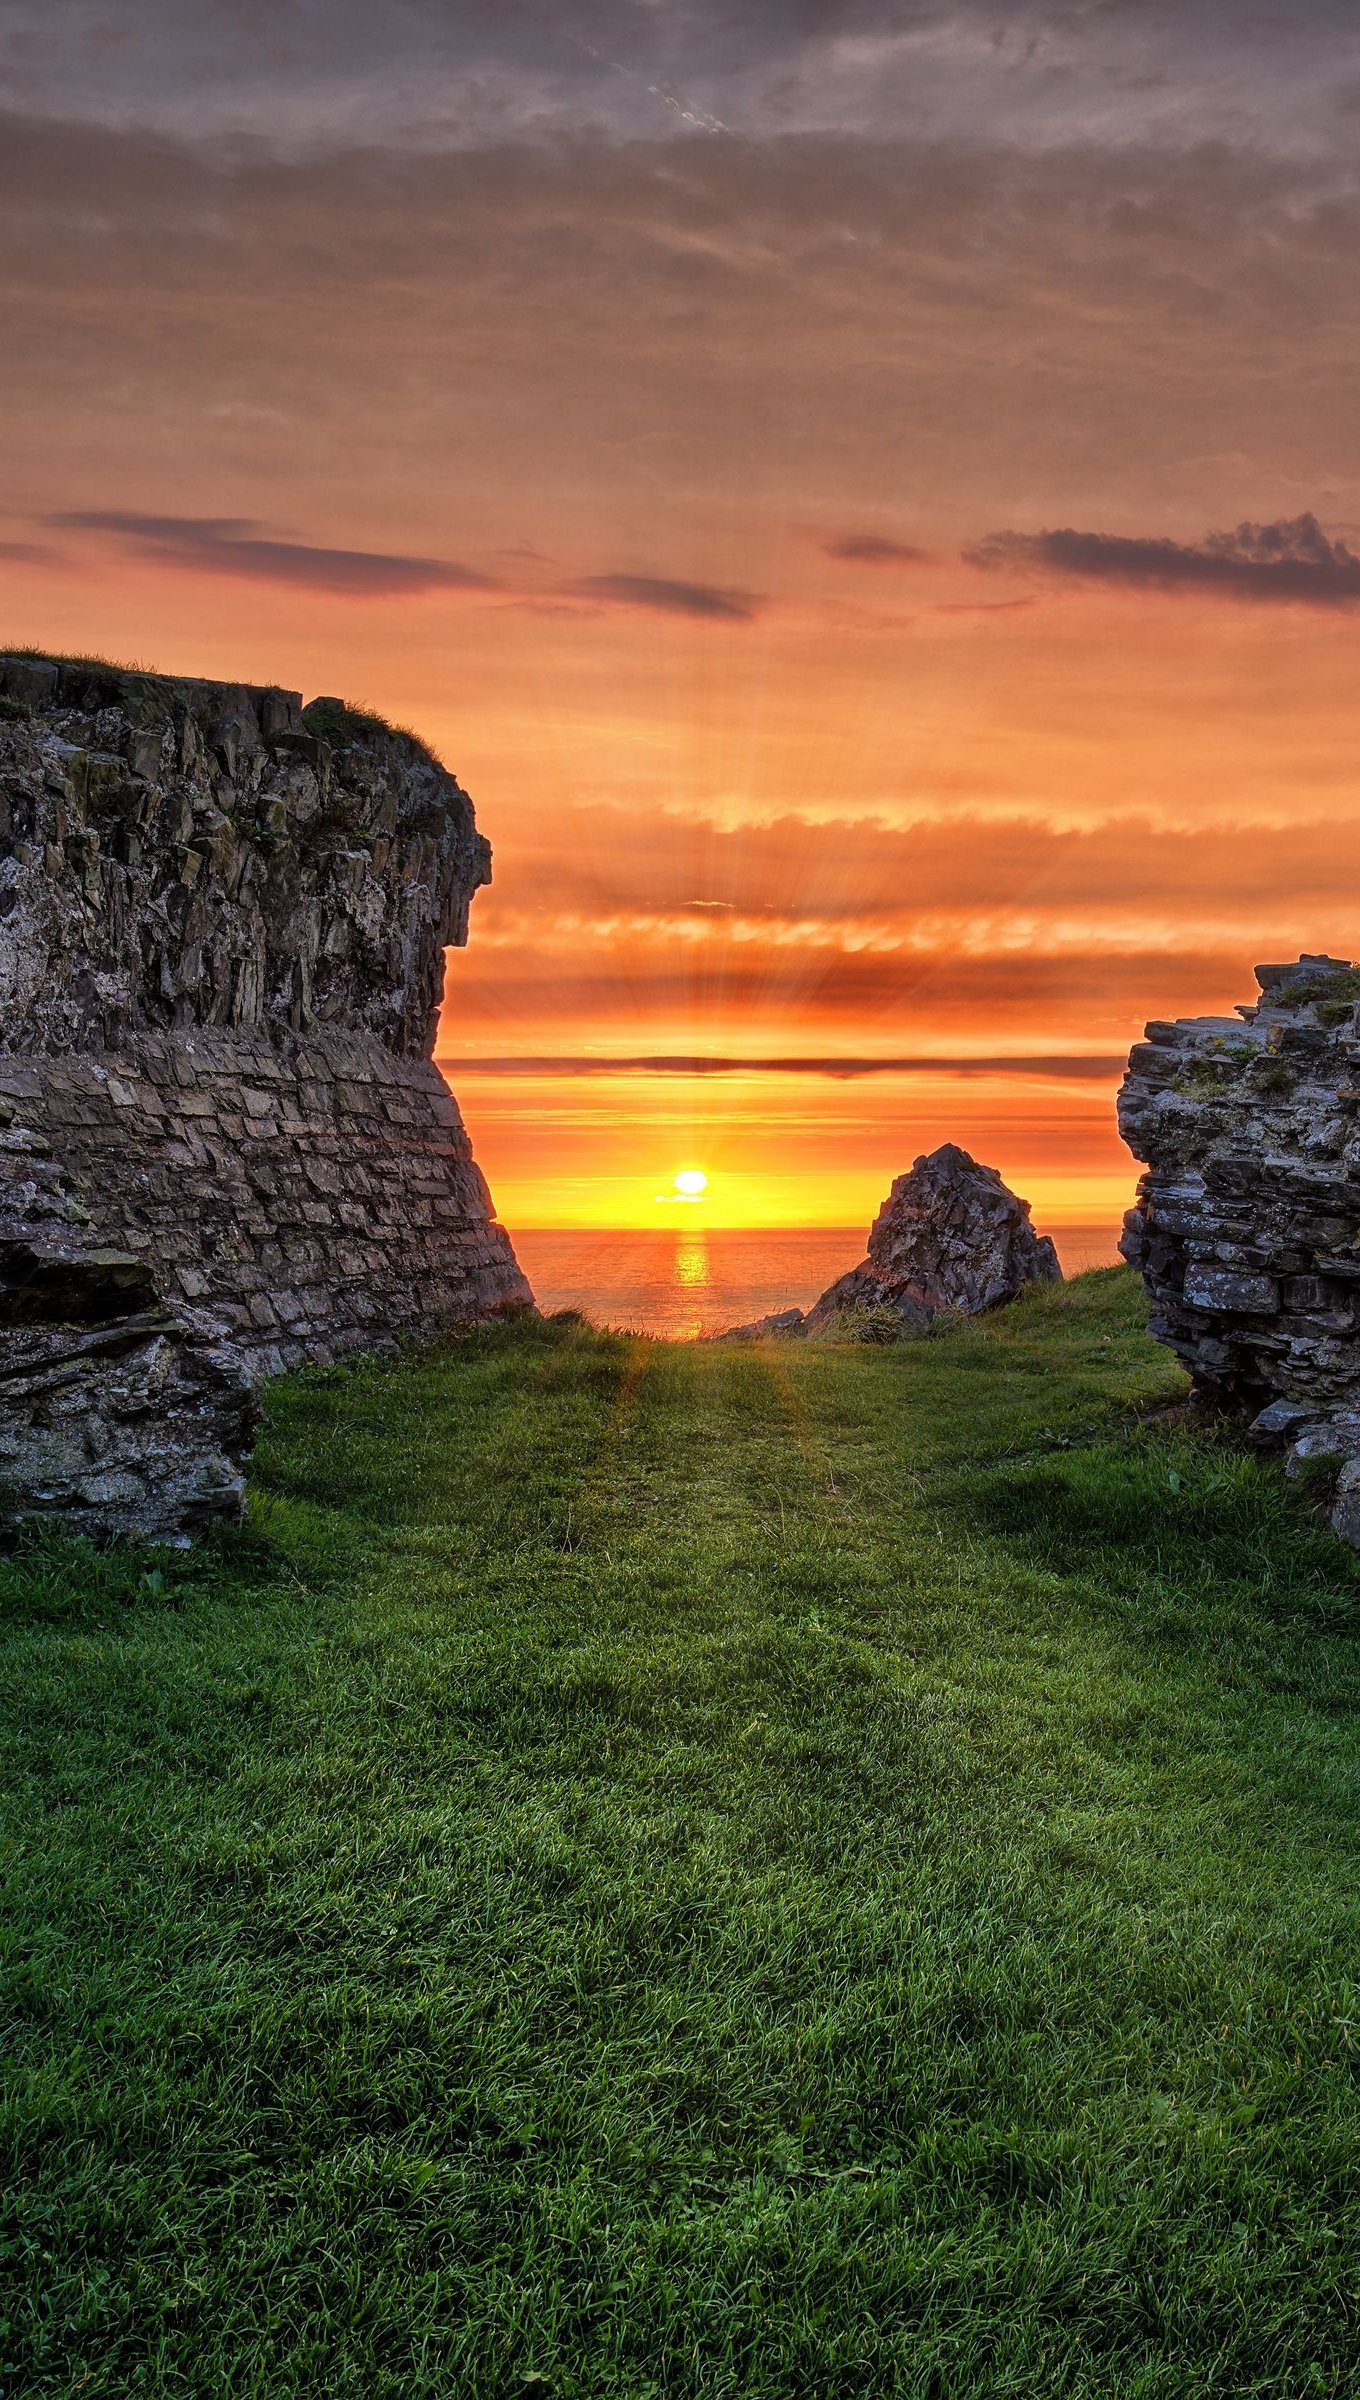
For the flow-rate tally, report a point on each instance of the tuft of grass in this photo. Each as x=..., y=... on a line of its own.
x=695, y=1872
x=1333, y=990
x=336, y=721
x=94, y=660
x=870, y=1321
x=1214, y=1070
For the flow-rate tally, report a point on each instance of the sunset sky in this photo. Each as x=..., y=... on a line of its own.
x=866, y=499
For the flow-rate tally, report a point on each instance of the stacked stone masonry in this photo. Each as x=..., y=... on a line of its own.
x=224, y=1147
x=1247, y=1225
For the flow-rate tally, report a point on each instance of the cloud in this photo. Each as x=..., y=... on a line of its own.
x=28, y=554
x=875, y=550
x=980, y=608
x=233, y=546
x=1025, y=73
x=1109, y=987
x=609, y=862
x=672, y=598
x=859, y=948
x=1073, y=1066
x=602, y=345
x=1290, y=560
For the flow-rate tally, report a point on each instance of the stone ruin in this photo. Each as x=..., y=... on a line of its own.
x=1247, y=1226
x=949, y=1239
x=224, y=1147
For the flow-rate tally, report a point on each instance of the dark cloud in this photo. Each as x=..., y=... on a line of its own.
x=673, y=598
x=1291, y=560
x=875, y=550
x=1066, y=1066
x=664, y=339
x=27, y=554
x=1015, y=73
x=233, y=546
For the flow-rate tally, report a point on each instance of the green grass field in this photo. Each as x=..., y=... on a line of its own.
x=669, y=1871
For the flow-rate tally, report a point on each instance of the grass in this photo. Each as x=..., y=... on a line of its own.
x=672, y=1871
x=340, y=721
x=96, y=660
x=1336, y=988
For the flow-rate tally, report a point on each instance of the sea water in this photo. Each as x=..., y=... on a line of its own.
x=686, y=1283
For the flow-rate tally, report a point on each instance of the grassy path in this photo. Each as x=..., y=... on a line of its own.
x=694, y=1871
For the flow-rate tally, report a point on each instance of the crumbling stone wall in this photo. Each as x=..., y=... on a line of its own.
x=224, y=1148
x=1247, y=1225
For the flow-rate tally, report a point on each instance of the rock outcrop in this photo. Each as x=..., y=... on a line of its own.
x=950, y=1237
x=1247, y=1226
x=224, y=1147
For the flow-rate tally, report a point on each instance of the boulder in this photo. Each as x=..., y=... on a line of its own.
x=784, y=1325
x=949, y=1237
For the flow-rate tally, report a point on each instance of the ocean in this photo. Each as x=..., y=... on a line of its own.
x=686, y=1284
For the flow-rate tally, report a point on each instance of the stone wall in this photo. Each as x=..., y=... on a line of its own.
x=224, y=1149
x=1247, y=1227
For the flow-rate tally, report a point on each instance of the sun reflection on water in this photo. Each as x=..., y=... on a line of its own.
x=691, y=1259
x=693, y=1284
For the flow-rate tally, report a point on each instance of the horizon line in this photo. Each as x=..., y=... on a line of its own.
x=1076, y=1066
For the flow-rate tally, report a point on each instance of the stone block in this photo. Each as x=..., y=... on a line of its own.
x=1280, y=1421
x=31, y=680
x=1217, y=1289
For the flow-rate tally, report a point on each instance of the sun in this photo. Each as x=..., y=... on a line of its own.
x=688, y=1186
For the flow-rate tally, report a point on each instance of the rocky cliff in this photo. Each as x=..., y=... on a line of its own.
x=224, y=1149
x=1247, y=1226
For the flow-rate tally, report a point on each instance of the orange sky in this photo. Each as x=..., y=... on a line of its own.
x=640, y=432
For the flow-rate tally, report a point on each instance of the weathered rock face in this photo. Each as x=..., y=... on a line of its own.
x=1247, y=1227
x=224, y=1148
x=204, y=854
x=949, y=1237
x=109, y=1405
